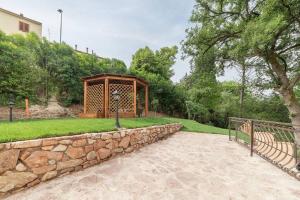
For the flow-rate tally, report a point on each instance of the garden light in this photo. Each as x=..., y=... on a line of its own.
x=116, y=97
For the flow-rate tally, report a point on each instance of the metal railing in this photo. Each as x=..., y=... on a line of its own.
x=273, y=141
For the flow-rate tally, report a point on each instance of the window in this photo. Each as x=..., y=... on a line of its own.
x=23, y=27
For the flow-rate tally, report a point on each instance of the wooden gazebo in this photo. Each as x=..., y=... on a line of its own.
x=98, y=100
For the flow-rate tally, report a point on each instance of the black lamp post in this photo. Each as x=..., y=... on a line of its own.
x=60, y=31
x=11, y=103
x=116, y=96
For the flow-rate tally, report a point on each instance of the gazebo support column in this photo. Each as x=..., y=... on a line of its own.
x=134, y=98
x=106, y=98
x=146, y=100
x=85, y=97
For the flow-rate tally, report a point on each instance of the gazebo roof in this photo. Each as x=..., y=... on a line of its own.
x=113, y=76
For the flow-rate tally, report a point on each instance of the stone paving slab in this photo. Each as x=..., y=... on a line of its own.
x=185, y=166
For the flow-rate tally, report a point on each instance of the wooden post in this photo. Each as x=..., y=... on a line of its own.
x=106, y=99
x=85, y=97
x=27, y=107
x=146, y=100
x=252, y=137
x=134, y=97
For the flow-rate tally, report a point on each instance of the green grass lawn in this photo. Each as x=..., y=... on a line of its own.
x=31, y=129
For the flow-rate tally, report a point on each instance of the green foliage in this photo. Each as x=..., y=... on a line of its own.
x=36, y=68
x=156, y=68
x=262, y=35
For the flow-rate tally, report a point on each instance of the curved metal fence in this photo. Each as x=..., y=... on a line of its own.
x=273, y=141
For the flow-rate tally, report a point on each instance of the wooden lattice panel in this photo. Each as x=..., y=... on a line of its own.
x=126, y=98
x=95, y=98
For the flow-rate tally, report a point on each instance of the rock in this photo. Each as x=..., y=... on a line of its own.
x=65, y=142
x=14, y=180
x=69, y=163
x=51, y=162
x=125, y=142
x=26, y=144
x=123, y=133
x=118, y=150
x=49, y=175
x=53, y=110
x=79, y=143
x=33, y=183
x=67, y=170
x=99, y=144
x=116, y=135
x=40, y=158
x=48, y=142
x=91, y=156
x=47, y=148
x=78, y=168
x=75, y=152
x=90, y=141
x=88, y=148
x=109, y=145
x=44, y=169
x=2, y=146
x=20, y=167
x=8, y=159
x=24, y=155
x=60, y=148
x=104, y=153
x=115, y=144
x=106, y=136
x=129, y=150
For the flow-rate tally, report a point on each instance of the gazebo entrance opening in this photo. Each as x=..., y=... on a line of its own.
x=98, y=100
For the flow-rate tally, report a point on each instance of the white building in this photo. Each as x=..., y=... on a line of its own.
x=12, y=23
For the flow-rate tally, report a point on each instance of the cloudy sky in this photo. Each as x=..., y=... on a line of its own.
x=113, y=28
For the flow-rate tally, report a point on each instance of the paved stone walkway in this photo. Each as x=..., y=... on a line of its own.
x=185, y=166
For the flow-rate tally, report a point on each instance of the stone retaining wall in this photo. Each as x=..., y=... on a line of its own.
x=28, y=163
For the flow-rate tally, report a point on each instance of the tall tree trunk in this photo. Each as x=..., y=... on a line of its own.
x=294, y=109
x=242, y=90
x=287, y=93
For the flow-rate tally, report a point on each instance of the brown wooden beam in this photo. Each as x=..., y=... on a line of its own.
x=85, y=97
x=106, y=98
x=141, y=83
x=146, y=100
x=134, y=97
x=112, y=78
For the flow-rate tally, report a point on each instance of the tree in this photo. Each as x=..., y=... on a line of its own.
x=14, y=79
x=156, y=68
x=263, y=32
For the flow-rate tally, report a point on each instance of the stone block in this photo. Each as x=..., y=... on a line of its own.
x=21, y=168
x=14, y=180
x=124, y=142
x=40, y=158
x=99, y=144
x=104, y=153
x=60, y=148
x=79, y=143
x=106, y=136
x=91, y=155
x=26, y=144
x=49, y=175
x=65, y=142
x=68, y=164
x=48, y=142
x=75, y=152
x=8, y=159
x=44, y=169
